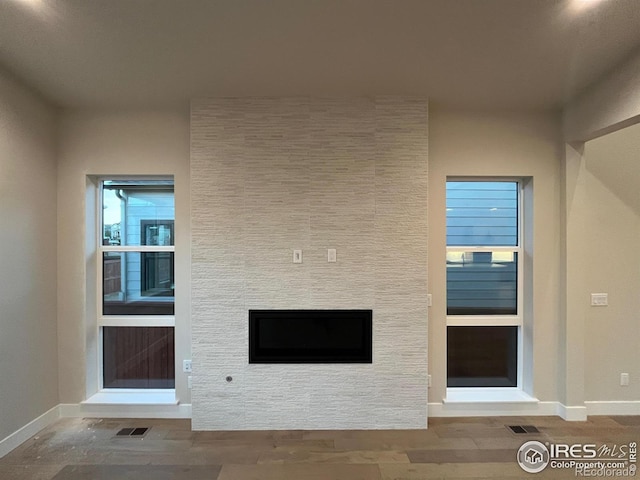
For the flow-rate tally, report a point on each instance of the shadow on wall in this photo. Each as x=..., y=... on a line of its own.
x=620, y=173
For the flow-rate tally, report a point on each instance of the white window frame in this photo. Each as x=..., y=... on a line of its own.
x=122, y=320
x=497, y=320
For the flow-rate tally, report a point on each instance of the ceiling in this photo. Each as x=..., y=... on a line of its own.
x=498, y=54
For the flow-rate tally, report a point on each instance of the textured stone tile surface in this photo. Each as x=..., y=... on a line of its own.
x=269, y=175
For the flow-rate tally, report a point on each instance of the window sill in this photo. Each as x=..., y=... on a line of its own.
x=464, y=395
x=133, y=397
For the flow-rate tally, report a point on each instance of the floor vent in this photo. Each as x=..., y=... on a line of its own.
x=522, y=429
x=132, y=432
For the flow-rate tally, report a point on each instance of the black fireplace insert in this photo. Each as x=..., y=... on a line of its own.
x=310, y=336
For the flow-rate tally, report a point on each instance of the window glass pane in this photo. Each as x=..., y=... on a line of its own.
x=138, y=212
x=138, y=357
x=482, y=213
x=482, y=356
x=482, y=283
x=138, y=283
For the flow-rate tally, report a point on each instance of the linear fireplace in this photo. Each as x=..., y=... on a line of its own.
x=310, y=336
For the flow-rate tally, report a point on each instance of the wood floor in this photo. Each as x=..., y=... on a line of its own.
x=88, y=449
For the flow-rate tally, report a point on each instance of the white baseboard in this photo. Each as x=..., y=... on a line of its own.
x=572, y=414
x=489, y=409
x=29, y=430
x=89, y=410
x=613, y=408
x=505, y=409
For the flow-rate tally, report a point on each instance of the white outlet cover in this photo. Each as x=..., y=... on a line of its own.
x=599, y=299
x=332, y=255
x=186, y=366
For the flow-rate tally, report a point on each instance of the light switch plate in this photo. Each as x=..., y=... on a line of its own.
x=297, y=256
x=332, y=255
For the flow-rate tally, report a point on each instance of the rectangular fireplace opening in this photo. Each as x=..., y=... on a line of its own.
x=310, y=336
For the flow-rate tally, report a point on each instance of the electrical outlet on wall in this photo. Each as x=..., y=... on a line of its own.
x=599, y=299
x=186, y=366
x=624, y=379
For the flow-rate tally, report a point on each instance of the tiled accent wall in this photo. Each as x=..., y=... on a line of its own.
x=270, y=175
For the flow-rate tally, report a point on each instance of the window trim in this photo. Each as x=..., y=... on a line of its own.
x=497, y=320
x=122, y=320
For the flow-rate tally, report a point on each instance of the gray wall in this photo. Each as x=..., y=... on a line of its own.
x=612, y=346
x=104, y=143
x=501, y=144
x=272, y=175
x=28, y=336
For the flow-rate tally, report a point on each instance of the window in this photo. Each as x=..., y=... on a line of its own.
x=484, y=283
x=157, y=267
x=136, y=312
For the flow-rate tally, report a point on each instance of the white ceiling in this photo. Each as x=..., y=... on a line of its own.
x=471, y=53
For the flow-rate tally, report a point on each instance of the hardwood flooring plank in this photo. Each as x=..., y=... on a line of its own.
x=342, y=457
x=462, y=456
x=137, y=472
x=300, y=472
x=29, y=472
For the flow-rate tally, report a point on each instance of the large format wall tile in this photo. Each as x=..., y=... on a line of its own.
x=269, y=175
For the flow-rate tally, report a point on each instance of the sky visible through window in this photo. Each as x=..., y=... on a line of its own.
x=111, y=207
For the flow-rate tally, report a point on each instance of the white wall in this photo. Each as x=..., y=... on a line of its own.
x=28, y=345
x=612, y=245
x=465, y=143
x=272, y=175
x=113, y=143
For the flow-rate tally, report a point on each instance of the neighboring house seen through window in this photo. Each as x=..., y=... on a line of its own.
x=484, y=286
x=136, y=312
